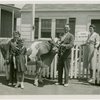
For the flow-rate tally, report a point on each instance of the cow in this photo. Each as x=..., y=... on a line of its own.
x=3, y=49
x=42, y=53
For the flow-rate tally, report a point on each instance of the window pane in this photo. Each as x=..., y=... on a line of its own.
x=36, y=28
x=72, y=22
x=60, y=23
x=45, y=28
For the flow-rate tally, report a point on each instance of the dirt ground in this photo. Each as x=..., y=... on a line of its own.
x=76, y=87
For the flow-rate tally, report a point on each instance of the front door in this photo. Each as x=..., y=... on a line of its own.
x=96, y=22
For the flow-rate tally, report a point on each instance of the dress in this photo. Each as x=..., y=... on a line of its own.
x=10, y=54
x=92, y=42
x=20, y=59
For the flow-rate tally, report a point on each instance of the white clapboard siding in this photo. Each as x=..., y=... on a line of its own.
x=26, y=31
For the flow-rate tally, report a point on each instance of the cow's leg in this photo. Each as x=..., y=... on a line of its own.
x=37, y=73
x=40, y=75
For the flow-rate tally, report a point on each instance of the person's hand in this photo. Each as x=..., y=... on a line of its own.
x=63, y=45
x=7, y=61
x=26, y=66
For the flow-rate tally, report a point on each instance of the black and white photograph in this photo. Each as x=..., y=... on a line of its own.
x=49, y=48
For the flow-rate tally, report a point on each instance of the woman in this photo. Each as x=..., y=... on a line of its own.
x=92, y=43
x=11, y=57
x=21, y=63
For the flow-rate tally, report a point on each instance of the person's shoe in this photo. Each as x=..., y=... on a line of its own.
x=17, y=85
x=58, y=83
x=9, y=84
x=65, y=85
x=14, y=83
x=22, y=85
x=40, y=81
x=36, y=82
x=90, y=80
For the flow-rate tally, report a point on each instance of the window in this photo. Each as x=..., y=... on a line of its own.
x=36, y=28
x=60, y=23
x=46, y=28
x=96, y=22
x=6, y=24
x=72, y=22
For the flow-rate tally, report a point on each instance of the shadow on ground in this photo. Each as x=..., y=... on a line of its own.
x=47, y=81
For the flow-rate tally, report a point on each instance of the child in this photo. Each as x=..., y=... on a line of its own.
x=21, y=63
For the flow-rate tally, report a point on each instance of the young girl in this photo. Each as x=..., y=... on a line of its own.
x=21, y=63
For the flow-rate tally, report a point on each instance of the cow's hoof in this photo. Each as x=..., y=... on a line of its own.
x=36, y=83
x=41, y=81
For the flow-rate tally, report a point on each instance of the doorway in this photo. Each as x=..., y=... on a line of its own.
x=96, y=22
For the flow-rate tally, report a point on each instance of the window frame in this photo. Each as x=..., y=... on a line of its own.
x=53, y=26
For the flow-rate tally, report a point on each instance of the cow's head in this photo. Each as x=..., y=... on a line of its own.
x=54, y=46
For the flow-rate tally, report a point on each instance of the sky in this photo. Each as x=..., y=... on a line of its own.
x=21, y=3
x=48, y=1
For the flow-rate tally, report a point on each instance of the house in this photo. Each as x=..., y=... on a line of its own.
x=51, y=18
x=8, y=20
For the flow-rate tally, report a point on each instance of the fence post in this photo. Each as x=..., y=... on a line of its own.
x=85, y=61
x=98, y=67
x=80, y=49
x=76, y=58
x=72, y=61
x=55, y=66
x=94, y=65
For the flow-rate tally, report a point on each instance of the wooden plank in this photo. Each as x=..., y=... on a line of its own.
x=48, y=72
x=51, y=69
x=94, y=65
x=25, y=25
x=33, y=22
x=76, y=56
x=98, y=67
x=0, y=21
x=26, y=29
x=55, y=66
x=43, y=72
x=80, y=51
x=71, y=69
x=84, y=63
x=12, y=22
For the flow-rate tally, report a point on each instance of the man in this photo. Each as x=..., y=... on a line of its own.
x=64, y=56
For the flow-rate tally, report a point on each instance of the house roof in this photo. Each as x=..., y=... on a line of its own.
x=10, y=9
x=62, y=7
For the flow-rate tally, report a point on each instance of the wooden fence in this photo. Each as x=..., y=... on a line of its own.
x=79, y=65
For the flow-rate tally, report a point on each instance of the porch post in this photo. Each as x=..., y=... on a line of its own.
x=12, y=22
x=0, y=22
x=33, y=22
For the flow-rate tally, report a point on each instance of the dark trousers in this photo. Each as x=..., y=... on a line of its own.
x=63, y=64
x=13, y=72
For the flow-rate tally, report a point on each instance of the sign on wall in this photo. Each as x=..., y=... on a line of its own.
x=81, y=37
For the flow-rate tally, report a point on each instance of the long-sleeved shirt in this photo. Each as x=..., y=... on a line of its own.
x=93, y=39
x=67, y=42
